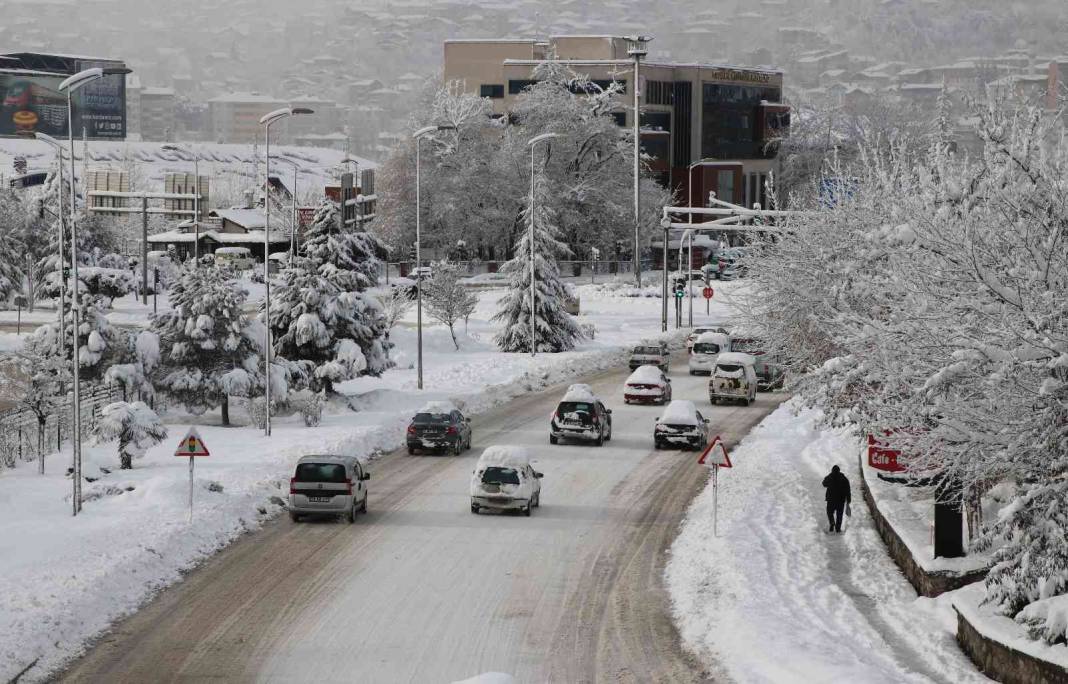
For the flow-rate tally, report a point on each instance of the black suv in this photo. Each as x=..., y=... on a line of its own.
x=439, y=429
x=581, y=416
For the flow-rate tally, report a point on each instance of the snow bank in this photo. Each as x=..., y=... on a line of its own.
x=775, y=598
x=1011, y=633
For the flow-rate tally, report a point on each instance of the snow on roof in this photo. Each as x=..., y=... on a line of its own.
x=715, y=338
x=250, y=219
x=437, y=407
x=504, y=455
x=580, y=392
x=679, y=412
x=738, y=358
x=646, y=375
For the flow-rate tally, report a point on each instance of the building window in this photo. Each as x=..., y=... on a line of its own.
x=518, y=85
x=620, y=118
x=659, y=92
x=492, y=90
x=657, y=121
x=729, y=120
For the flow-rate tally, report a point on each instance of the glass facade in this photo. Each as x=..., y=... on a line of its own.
x=730, y=120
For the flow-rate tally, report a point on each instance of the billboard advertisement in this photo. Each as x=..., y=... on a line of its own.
x=30, y=101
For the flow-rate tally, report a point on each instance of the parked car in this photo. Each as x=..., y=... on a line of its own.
x=770, y=376
x=731, y=262
x=236, y=257
x=647, y=384
x=734, y=379
x=706, y=349
x=697, y=332
x=581, y=416
x=504, y=480
x=328, y=485
x=439, y=426
x=681, y=424
x=650, y=354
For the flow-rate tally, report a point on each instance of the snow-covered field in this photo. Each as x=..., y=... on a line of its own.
x=63, y=579
x=775, y=598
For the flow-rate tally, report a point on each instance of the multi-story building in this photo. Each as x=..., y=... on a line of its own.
x=235, y=118
x=724, y=118
x=1057, y=83
x=157, y=114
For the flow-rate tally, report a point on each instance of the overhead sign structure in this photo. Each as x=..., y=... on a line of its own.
x=715, y=457
x=191, y=446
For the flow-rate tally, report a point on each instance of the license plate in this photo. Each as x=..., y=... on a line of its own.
x=318, y=499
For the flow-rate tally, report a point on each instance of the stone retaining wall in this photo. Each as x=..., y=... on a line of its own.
x=1003, y=663
x=925, y=583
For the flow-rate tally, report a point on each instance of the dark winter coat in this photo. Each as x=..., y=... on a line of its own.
x=837, y=486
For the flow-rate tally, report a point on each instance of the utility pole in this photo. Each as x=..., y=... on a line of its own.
x=637, y=49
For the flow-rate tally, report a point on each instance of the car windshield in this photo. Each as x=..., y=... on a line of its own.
x=320, y=472
x=647, y=350
x=497, y=475
x=431, y=418
x=728, y=368
x=706, y=348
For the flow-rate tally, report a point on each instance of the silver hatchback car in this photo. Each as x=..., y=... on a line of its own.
x=328, y=485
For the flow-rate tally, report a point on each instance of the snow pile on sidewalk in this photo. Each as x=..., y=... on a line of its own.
x=775, y=598
x=64, y=579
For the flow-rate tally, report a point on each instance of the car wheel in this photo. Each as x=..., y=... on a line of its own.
x=411, y=451
x=693, y=372
x=537, y=500
x=526, y=511
x=608, y=437
x=458, y=448
x=600, y=439
x=474, y=508
x=363, y=506
x=553, y=439
x=294, y=516
x=656, y=445
x=351, y=515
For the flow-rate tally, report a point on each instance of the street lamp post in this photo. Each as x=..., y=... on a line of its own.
x=44, y=137
x=637, y=49
x=69, y=85
x=532, y=143
x=418, y=137
x=196, y=197
x=267, y=120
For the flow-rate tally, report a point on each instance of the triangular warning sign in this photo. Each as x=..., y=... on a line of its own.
x=715, y=455
x=192, y=445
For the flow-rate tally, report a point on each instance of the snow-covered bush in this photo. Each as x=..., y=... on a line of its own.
x=309, y=404
x=446, y=299
x=207, y=349
x=135, y=425
x=554, y=330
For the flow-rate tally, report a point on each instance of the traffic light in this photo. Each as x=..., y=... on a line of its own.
x=680, y=290
x=411, y=253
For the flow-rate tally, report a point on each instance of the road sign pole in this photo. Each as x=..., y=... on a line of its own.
x=191, y=459
x=715, y=501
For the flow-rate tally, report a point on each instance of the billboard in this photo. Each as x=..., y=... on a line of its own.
x=30, y=101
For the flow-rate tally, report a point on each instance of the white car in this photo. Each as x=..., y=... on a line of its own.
x=734, y=379
x=504, y=480
x=697, y=332
x=706, y=350
x=681, y=424
x=647, y=385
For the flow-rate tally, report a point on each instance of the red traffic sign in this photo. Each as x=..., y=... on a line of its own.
x=192, y=445
x=707, y=293
x=715, y=455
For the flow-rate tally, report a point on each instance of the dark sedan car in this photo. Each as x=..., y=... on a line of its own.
x=439, y=428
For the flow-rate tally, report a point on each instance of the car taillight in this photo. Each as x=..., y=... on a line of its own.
x=411, y=429
x=451, y=431
x=348, y=483
x=292, y=485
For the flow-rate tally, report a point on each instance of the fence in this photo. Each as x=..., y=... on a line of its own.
x=22, y=438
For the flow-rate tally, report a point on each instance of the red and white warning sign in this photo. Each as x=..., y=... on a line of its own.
x=192, y=445
x=715, y=455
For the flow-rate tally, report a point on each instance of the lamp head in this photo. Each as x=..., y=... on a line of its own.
x=544, y=136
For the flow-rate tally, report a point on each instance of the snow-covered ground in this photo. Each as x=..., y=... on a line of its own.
x=775, y=598
x=64, y=579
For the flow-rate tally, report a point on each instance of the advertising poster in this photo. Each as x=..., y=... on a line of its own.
x=30, y=101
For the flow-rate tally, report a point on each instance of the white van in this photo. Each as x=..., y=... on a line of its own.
x=734, y=379
x=328, y=485
x=235, y=257
x=706, y=349
x=504, y=480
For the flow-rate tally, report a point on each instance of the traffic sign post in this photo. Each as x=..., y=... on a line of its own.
x=715, y=457
x=707, y=293
x=191, y=446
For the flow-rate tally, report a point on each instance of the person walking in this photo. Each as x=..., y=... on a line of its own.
x=838, y=497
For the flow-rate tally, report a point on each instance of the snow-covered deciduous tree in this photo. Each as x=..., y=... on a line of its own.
x=135, y=425
x=208, y=350
x=395, y=304
x=445, y=297
x=36, y=383
x=554, y=329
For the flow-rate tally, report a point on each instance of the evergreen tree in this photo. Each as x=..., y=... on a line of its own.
x=555, y=330
x=337, y=334
x=208, y=351
x=99, y=343
x=346, y=257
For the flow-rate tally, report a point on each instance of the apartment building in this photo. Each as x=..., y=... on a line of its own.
x=721, y=117
x=157, y=114
x=235, y=118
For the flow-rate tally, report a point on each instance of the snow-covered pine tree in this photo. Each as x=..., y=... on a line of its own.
x=135, y=425
x=338, y=334
x=99, y=343
x=207, y=349
x=348, y=258
x=555, y=330
x=446, y=299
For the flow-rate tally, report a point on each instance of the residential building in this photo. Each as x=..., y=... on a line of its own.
x=723, y=115
x=157, y=114
x=235, y=118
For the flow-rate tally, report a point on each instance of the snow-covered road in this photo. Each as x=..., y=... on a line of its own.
x=421, y=590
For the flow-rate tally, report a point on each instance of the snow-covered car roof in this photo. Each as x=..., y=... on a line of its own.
x=436, y=407
x=679, y=412
x=504, y=455
x=721, y=339
x=737, y=358
x=580, y=392
x=646, y=375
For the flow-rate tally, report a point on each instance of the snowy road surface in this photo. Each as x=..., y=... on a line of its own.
x=421, y=590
